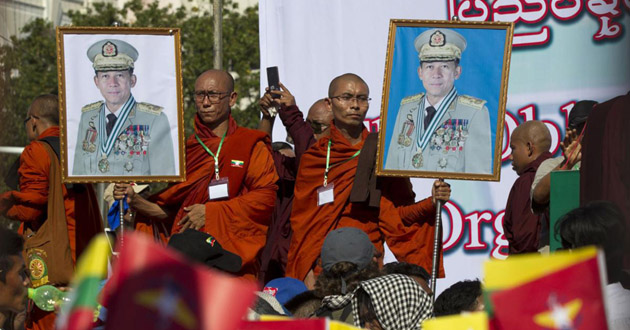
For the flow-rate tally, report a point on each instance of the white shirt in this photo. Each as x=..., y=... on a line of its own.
x=617, y=306
x=427, y=104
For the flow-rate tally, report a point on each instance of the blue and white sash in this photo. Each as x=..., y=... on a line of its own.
x=108, y=144
x=437, y=119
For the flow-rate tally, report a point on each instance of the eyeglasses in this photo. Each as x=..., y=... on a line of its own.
x=318, y=128
x=347, y=98
x=214, y=97
x=29, y=118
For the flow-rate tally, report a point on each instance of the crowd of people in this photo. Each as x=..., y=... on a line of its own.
x=310, y=223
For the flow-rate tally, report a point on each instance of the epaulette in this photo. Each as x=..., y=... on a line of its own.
x=92, y=106
x=150, y=108
x=412, y=98
x=472, y=102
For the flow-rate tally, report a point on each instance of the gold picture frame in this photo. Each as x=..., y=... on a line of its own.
x=461, y=137
x=96, y=79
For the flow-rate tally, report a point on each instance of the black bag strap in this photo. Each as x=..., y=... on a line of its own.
x=53, y=141
x=12, y=179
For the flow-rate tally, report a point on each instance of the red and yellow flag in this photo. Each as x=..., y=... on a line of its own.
x=560, y=291
x=153, y=287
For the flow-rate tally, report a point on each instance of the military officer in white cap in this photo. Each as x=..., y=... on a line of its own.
x=440, y=130
x=120, y=136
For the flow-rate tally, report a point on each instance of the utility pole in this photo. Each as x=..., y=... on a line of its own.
x=217, y=10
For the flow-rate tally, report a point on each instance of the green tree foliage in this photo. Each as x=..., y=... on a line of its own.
x=28, y=68
x=28, y=65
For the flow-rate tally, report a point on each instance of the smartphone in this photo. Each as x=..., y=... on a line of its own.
x=273, y=80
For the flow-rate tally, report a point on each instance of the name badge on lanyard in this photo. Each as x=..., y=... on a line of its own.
x=218, y=189
x=325, y=194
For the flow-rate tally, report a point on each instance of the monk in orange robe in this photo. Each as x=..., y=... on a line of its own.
x=407, y=227
x=232, y=201
x=30, y=204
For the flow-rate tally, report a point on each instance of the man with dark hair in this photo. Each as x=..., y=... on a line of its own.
x=44, y=199
x=601, y=223
x=335, y=187
x=523, y=229
x=441, y=130
x=461, y=296
x=303, y=305
x=418, y=273
x=230, y=186
x=14, y=279
x=119, y=136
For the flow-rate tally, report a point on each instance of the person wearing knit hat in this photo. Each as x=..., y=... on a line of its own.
x=440, y=130
x=119, y=136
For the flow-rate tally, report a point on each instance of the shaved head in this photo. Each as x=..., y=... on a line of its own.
x=319, y=117
x=344, y=78
x=221, y=75
x=320, y=110
x=215, y=114
x=534, y=132
x=46, y=107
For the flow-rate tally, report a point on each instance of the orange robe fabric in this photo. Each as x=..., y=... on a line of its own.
x=29, y=205
x=407, y=227
x=239, y=223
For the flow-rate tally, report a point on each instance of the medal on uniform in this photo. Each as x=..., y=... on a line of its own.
x=453, y=145
x=404, y=138
x=89, y=142
x=146, y=136
x=103, y=165
x=128, y=166
x=442, y=163
x=417, y=160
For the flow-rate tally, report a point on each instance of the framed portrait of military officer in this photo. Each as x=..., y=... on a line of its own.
x=444, y=97
x=120, y=92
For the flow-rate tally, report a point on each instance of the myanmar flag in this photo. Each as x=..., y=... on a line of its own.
x=153, y=287
x=91, y=269
x=560, y=291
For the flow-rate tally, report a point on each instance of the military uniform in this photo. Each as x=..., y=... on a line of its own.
x=457, y=135
x=140, y=142
x=143, y=145
x=459, y=142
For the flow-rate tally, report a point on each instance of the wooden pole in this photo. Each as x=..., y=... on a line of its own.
x=437, y=242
